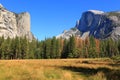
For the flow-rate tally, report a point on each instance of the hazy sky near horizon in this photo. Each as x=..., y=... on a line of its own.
x=51, y=17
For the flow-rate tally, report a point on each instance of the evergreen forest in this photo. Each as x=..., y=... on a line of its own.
x=52, y=48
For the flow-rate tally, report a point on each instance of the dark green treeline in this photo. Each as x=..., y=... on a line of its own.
x=52, y=48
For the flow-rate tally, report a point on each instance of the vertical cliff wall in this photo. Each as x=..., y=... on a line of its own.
x=23, y=23
x=12, y=24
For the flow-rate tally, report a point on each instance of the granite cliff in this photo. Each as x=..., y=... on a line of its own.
x=67, y=33
x=101, y=25
x=13, y=24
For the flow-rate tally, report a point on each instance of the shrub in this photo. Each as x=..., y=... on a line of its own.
x=98, y=76
x=116, y=58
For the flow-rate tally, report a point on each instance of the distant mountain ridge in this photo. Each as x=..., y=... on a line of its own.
x=101, y=25
x=12, y=24
x=67, y=33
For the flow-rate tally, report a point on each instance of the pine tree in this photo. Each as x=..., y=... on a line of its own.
x=24, y=47
x=39, y=50
x=53, y=48
x=97, y=42
x=64, y=53
x=1, y=42
x=33, y=49
x=6, y=48
x=111, y=47
x=71, y=47
x=43, y=49
x=85, y=48
x=47, y=49
x=92, y=48
x=58, y=48
x=16, y=51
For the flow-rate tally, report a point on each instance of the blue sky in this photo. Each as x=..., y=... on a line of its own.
x=51, y=17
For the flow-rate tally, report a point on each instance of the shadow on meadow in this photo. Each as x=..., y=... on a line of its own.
x=108, y=73
x=116, y=64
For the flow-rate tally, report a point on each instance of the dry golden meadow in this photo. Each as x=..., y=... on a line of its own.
x=60, y=69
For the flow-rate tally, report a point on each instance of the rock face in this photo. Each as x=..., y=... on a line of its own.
x=12, y=24
x=99, y=24
x=69, y=33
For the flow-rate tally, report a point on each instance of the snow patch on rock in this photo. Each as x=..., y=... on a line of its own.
x=96, y=11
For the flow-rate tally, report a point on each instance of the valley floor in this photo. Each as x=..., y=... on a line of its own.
x=60, y=69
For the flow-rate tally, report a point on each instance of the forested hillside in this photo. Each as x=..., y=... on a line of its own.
x=52, y=48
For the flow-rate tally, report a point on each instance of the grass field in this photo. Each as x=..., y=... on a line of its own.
x=60, y=69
